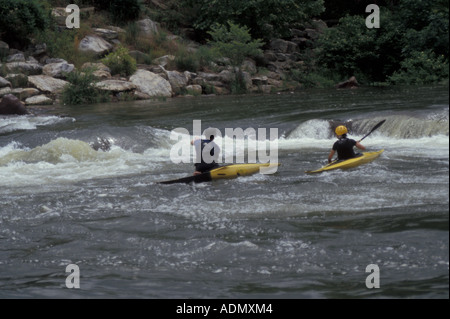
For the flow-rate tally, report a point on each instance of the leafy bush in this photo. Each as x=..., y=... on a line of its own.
x=411, y=33
x=234, y=42
x=186, y=61
x=20, y=19
x=120, y=62
x=200, y=59
x=265, y=18
x=422, y=68
x=81, y=89
x=353, y=49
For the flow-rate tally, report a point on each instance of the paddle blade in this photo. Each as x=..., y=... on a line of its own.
x=373, y=129
x=378, y=125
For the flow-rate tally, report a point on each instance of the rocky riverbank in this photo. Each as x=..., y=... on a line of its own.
x=35, y=78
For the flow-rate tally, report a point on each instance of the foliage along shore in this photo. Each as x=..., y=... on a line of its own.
x=157, y=49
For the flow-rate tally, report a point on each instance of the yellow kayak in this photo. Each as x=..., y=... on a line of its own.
x=366, y=157
x=224, y=172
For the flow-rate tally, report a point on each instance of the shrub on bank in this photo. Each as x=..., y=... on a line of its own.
x=81, y=89
x=120, y=62
x=422, y=68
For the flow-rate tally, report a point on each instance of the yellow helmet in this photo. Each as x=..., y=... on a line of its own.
x=341, y=130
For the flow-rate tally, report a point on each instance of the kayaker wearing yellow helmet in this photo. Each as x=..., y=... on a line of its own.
x=344, y=145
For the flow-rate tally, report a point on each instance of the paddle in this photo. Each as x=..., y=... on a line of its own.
x=374, y=128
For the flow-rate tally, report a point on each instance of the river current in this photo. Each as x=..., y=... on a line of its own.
x=287, y=235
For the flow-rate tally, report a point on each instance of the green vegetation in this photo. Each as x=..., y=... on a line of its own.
x=235, y=42
x=82, y=90
x=21, y=18
x=120, y=62
x=421, y=68
x=265, y=18
x=409, y=32
x=410, y=47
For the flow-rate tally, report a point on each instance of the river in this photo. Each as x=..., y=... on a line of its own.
x=287, y=235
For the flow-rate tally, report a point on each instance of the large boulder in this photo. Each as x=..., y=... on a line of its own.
x=4, y=91
x=11, y=105
x=39, y=100
x=152, y=84
x=25, y=93
x=28, y=68
x=106, y=34
x=95, y=45
x=58, y=70
x=177, y=80
x=4, y=83
x=147, y=27
x=47, y=83
x=18, y=57
x=115, y=85
x=100, y=71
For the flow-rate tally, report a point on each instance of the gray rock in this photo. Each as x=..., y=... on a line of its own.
x=249, y=66
x=58, y=70
x=279, y=45
x=54, y=60
x=25, y=93
x=259, y=80
x=106, y=34
x=194, y=89
x=39, y=100
x=115, y=85
x=18, y=57
x=152, y=84
x=95, y=45
x=4, y=91
x=164, y=60
x=177, y=80
x=24, y=68
x=47, y=83
x=100, y=71
x=4, y=83
x=147, y=26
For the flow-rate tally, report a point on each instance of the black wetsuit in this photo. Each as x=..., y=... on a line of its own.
x=205, y=166
x=344, y=148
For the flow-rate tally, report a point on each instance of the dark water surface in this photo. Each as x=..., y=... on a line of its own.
x=288, y=235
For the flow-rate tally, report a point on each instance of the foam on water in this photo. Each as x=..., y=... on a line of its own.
x=64, y=160
x=29, y=122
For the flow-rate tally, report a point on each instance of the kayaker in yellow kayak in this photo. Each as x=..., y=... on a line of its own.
x=344, y=145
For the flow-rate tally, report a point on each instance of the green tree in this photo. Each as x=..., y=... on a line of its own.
x=236, y=43
x=353, y=49
x=265, y=18
x=20, y=19
x=373, y=55
x=422, y=68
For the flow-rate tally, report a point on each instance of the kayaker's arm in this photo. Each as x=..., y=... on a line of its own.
x=330, y=156
x=195, y=139
x=360, y=146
